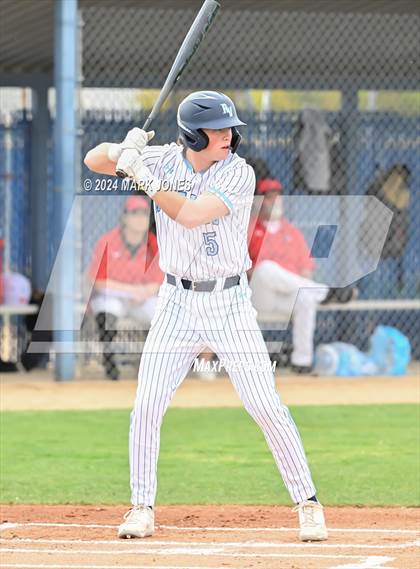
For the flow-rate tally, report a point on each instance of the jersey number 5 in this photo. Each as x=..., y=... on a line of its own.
x=212, y=247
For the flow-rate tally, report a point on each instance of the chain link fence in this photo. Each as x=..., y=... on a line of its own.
x=331, y=101
x=15, y=238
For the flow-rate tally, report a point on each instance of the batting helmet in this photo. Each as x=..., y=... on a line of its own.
x=206, y=109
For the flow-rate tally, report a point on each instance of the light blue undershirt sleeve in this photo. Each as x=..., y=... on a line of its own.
x=222, y=196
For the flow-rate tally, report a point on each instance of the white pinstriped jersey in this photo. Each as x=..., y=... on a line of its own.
x=215, y=249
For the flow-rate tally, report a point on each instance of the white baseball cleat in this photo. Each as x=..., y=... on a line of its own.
x=138, y=522
x=311, y=521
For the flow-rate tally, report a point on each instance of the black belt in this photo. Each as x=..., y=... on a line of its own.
x=203, y=286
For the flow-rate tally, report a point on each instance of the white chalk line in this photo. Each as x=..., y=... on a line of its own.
x=218, y=544
x=368, y=563
x=365, y=563
x=188, y=552
x=11, y=525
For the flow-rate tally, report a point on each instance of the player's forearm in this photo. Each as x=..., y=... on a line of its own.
x=187, y=212
x=98, y=160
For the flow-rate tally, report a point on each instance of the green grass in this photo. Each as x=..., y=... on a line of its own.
x=358, y=455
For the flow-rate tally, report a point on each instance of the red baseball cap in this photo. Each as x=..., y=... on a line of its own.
x=268, y=185
x=136, y=202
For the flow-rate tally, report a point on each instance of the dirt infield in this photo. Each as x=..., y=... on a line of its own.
x=38, y=391
x=210, y=537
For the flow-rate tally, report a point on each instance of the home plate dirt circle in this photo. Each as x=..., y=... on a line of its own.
x=207, y=537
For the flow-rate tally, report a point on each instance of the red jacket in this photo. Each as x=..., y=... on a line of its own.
x=112, y=260
x=286, y=247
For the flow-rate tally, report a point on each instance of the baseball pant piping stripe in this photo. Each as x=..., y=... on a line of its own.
x=159, y=378
x=285, y=452
x=137, y=431
x=141, y=432
x=290, y=434
x=160, y=343
x=270, y=435
x=144, y=372
x=241, y=391
x=184, y=365
x=298, y=452
x=168, y=358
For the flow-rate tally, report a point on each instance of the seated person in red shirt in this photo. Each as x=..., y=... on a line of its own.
x=281, y=273
x=126, y=274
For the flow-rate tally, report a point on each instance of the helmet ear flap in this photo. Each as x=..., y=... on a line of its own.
x=198, y=141
x=236, y=139
x=202, y=140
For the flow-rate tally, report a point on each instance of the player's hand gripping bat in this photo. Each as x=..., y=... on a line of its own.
x=189, y=46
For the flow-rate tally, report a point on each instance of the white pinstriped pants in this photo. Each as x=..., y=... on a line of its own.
x=185, y=323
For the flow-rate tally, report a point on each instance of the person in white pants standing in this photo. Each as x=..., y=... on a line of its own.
x=202, y=193
x=281, y=274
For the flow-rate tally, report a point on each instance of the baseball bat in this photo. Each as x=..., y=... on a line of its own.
x=189, y=46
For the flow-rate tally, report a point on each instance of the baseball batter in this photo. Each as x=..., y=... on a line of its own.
x=202, y=192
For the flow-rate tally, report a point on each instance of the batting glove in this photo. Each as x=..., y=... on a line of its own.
x=136, y=139
x=131, y=164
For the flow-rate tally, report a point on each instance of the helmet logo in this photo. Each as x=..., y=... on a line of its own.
x=227, y=109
